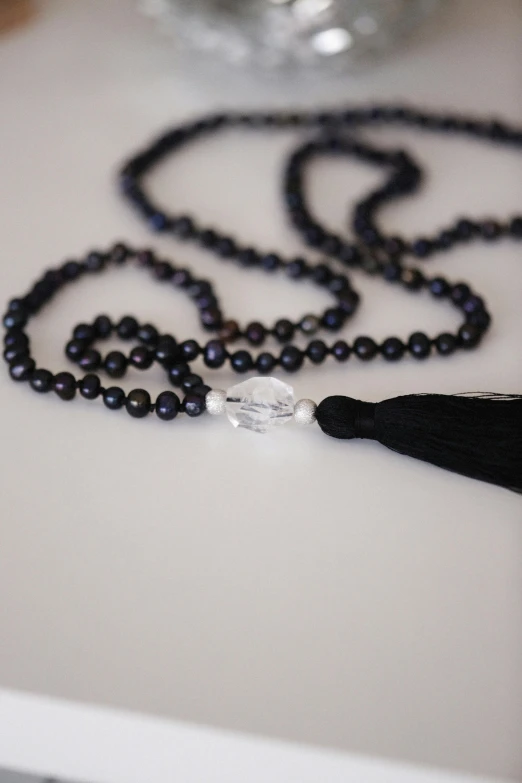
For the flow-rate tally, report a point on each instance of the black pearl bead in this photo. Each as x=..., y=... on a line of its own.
x=15, y=337
x=90, y=386
x=75, y=349
x=119, y=253
x=194, y=405
x=15, y=319
x=247, y=257
x=490, y=229
x=14, y=354
x=445, y=344
x=241, y=361
x=321, y=274
x=167, y=406
x=333, y=319
x=317, y=351
x=365, y=348
x=480, y=318
x=115, y=364
x=71, y=270
x=341, y=350
x=473, y=304
x=127, y=327
x=459, y=293
x=138, y=403
x=291, y=358
x=22, y=370
x=95, y=261
x=102, y=326
x=42, y=381
x=177, y=372
x=392, y=271
x=141, y=358
x=348, y=302
x=148, y=334
x=189, y=350
x=515, y=227
x=464, y=229
x=284, y=330
x=265, y=363
x=309, y=324
x=230, y=331
x=85, y=332
x=181, y=278
x=422, y=248
x=439, y=287
x=255, y=333
x=469, y=335
x=412, y=279
x=90, y=360
x=114, y=398
x=419, y=345
x=271, y=262
x=392, y=349
x=64, y=384
x=297, y=269
x=190, y=381
x=214, y=354
x=211, y=318
x=167, y=350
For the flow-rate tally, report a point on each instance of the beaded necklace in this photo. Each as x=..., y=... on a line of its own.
x=479, y=436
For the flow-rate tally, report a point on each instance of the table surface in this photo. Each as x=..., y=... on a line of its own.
x=288, y=586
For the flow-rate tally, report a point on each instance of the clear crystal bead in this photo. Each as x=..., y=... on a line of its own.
x=260, y=404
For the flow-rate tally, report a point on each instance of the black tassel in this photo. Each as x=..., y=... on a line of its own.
x=479, y=436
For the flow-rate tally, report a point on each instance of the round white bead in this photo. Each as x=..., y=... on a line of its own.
x=215, y=401
x=304, y=411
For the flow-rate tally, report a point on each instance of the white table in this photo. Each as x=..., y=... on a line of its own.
x=290, y=587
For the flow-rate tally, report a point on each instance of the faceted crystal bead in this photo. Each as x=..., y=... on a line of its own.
x=260, y=404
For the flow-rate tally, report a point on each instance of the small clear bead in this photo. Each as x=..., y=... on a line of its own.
x=215, y=401
x=304, y=411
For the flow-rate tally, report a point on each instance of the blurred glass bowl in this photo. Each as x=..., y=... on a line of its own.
x=286, y=33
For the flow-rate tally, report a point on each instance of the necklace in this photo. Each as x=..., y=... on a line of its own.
x=479, y=436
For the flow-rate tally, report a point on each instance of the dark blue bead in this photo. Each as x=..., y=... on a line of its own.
x=392, y=349
x=148, y=334
x=102, y=326
x=177, y=372
x=166, y=351
x=419, y=345
x=64, y=384
x=365, y=348
x=469, y=335
x=167, y=406
x=214, y=354
x=481, y=318
x=291, y=358
x=42, y=381
x=71, y=270
x=439, y=287
x=270, y=262
x=422, y=248
x=247, y=257
x=348, y=302
x=84, y=332
x=190, y=381
x=16, y=319
x=189, y=350
x=138, y=403
x=341, y=350
x=90, y=360
x=317, y=351
x=459, y=293
x=473, y=304
x=194, y=404
x=241, y=361
x=115, y=364
x=158, y=221
x=141, y=357
x=127, y=327
x=75, y=349
x=22, y=370
x=90, y=386
x=333, y=319
x=114, y=398
x=445, y=343
x=255, y=333
x=265, y=363
x=392, y=271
